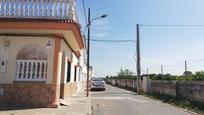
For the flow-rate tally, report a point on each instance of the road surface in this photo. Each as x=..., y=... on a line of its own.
x=115, y=101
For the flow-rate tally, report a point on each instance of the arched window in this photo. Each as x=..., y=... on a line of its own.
x=31, y=63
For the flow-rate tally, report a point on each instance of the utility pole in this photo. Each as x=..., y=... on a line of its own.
x=147, y=71
x=88, y=52
x=138, y=57
x=185, y=65
x=162, y=70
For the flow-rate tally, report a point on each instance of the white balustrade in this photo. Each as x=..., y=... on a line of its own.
x=46, y=9
x=31, y=70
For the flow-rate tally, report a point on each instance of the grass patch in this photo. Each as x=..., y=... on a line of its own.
x=194, y=106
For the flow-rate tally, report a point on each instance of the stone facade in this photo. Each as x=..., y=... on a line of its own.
x=26, y=94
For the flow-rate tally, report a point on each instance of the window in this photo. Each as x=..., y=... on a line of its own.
x=75, y=73
x=31, y=64
x=68, y=71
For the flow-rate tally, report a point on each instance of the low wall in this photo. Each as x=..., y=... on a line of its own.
x=73, y=88
x=67, y=90
x=164, y=87
x=26, y=95
x=191, y=90
x=125, y=83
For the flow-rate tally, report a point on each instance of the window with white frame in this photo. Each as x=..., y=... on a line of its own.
x=31, y=63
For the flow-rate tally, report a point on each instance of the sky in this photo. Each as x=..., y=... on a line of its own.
x=169, y=46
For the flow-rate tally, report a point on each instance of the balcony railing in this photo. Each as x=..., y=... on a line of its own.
x=31, y=71
x=43, y=9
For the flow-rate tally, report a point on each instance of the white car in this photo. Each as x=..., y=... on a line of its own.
x=97, y=84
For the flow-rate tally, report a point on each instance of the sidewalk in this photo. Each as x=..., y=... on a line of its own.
x=77, y=105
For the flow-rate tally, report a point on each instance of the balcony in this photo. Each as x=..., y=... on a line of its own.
x=39, y=9
x=31, y=71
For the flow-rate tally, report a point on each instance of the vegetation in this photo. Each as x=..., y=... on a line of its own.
x=128, y=74
x=198, y=76
x=123, y=74
x=183, y=103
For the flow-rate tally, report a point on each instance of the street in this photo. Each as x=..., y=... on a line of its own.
x=115, y=101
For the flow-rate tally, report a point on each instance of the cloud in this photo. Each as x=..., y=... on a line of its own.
x=99, y=35
x=100, y=28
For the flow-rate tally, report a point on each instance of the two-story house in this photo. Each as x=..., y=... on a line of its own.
x=40, y=50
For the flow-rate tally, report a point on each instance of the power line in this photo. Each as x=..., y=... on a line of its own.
x=166, y=25
x=84, y=10
x=196, y=60
x=111, y=41
x=176, y=64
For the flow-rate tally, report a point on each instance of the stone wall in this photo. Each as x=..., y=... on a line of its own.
x=26, y=94
x=125, y=83
x=164, y=87
x=191, y=90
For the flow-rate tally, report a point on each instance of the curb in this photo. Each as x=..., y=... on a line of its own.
x=90, y=112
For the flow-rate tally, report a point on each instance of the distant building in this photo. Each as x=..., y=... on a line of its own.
x=42, y=52
x=187, y=73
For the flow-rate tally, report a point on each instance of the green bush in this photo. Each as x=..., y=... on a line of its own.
x=198, y=76
x=127, y=74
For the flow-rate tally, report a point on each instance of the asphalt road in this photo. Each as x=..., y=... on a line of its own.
x=115, y=101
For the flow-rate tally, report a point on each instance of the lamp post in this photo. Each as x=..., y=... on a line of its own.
x=88, y=45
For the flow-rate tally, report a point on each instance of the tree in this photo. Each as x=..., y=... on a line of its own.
x=126, y=73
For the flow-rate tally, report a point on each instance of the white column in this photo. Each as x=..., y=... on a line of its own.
x=7, y=8
x=10, y=7
x=18, y=69
x=71, y=9
x=65, y=8
x=27, y=63
x=31, y=71
x=22, y=71
x=33, y=8
x=26, y=7
x=1, y=7
x=40, y=71
x=43, y=8
x=30, y=7
x=18, y=7
x=45, y=71
x=36, y=68
x=51, y=10
x=56, y=3
x=4, y=8
x=47, y=7
x=13, y=7
x=38, y=8
x=60, y=8
x=21, y=7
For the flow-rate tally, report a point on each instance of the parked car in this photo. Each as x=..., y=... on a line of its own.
x=97, y=84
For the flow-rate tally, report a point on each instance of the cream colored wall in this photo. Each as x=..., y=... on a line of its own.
x=16, y=43
x=67, y=52
x=75, y=61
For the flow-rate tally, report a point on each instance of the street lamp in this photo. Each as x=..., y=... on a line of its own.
x=88, y=45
